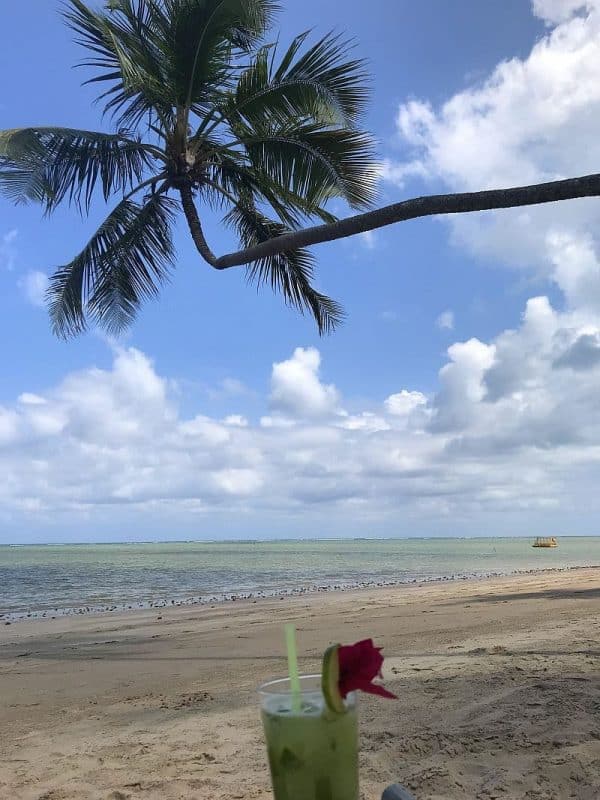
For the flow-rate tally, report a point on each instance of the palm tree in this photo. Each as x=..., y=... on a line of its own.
x=207, y=115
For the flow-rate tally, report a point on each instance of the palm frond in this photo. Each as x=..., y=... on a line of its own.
x=23, y=175
x=289, y=273
x=126, y=51
x=321, y=85
x=315, y=162
x=126, y=260
x=47, y=164
x=237, y=179
x=203, y=36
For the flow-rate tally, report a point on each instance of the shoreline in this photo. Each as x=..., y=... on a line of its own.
x=254, y=596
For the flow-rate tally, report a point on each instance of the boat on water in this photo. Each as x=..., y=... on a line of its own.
x=545, y=541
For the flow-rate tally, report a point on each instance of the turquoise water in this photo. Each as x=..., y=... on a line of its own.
x=46, y=579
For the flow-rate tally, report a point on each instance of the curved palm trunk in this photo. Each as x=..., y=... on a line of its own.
x=193, y=220
x=586, y=186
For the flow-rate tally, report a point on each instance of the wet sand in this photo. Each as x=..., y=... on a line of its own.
x=498, y=685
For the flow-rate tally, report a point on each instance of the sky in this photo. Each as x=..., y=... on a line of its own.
x=459, y=398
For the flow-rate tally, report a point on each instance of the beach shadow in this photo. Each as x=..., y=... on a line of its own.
x=130, y=653
x=499, y=654
x=542, y=594
x=126, y=652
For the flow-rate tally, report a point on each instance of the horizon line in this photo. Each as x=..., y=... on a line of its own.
x=254, y=540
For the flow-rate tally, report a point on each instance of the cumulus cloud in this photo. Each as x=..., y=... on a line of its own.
x=236, y=419
x=528, y=121
x=404, y=403
x=533, y=119
x=462, y=387
x=296, y=389
x=445, y=321
x=583, y=354
x=34, y=285
x=30, y=399
x=401, y=173
x=527, y=398
x=556, y=11
x=537, y=393
x=113, y=437
x=494, y=437
x=364, y=421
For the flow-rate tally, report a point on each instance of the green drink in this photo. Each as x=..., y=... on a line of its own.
x=313, y=752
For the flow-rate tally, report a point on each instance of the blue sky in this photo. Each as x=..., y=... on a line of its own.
x=452, y=401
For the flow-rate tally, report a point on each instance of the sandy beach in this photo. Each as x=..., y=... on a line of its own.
x=498, y=685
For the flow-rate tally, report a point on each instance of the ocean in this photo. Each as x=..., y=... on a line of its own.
x=48, y=580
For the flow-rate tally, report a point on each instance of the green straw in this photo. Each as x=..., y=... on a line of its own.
x=292, y=654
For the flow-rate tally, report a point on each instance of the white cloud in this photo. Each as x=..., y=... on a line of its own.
x=582, y=354
x=527, y=122
x=365, y=421
x=276, y=421
x=537, y=398
x=8, y=252
x=204, y=430
x=404, y=403
x=34, y=285
x=238, y=481
x=445, y=321
x=296, y=389
x=401, y=173
x=237, y=420
x=526, y=399
x=232, y=387
x=462, y=388
x=575, y=268
x=9, y=426
x=369, y=239
x=556, y=11
x=27, y=398
x=515, y=424
x=533, y=119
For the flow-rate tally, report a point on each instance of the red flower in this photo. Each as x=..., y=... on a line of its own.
x=359, y=664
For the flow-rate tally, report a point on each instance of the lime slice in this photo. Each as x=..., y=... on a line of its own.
x=330, y=678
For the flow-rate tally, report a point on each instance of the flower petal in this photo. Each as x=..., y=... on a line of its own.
x=360, y=663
